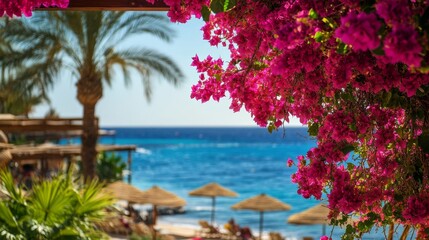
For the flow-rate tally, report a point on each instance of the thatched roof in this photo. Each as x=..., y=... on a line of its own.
x=124, y=191
x=160, y=197
x=314, y=215
x=262, y=203
x=213, y=190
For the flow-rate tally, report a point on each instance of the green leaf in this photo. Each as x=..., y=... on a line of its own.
x=259, y=65
x=387, y=209
x=271, y=128
x=7, y=216
x=330, y=22
x=378, y=51
x=319, y=36
x=347, y=149
x=386, y=98
x=313, y=14
x=342, y=48
x=229, y=4
x=217, y=6
x=350, y=229
x=313, y=129
x=350, y=166
x=205, y=12
x=353, y=127
x=423, y=141
x=423, y=69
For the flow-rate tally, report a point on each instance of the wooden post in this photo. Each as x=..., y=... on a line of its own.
x=155, y=215
x=261, y=222
x=129, y=167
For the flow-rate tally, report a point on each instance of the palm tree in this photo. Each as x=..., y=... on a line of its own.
x=90, y=42
x=25, y=74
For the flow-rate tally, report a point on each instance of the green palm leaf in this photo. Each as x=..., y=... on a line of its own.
x=50, y=200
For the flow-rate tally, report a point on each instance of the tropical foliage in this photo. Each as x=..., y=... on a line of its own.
x=91, y=44
x=24, y=77
x=110, y=167
x=55, y=209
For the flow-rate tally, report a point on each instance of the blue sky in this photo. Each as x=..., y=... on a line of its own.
x=170, y=106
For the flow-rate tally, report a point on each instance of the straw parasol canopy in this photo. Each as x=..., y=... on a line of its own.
x=213, y=190
x=124, y=191
x=262, y=203
x=315, y=215
x=160, y=197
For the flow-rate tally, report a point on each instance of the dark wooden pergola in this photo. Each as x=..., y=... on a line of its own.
x=53, y=128
x=44, y=153
x=120, y=5
x=22, y=125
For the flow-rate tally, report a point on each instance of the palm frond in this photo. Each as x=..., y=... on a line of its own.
x=93, y=200
x=50, y=200
x=13, y=192
x=6, y=216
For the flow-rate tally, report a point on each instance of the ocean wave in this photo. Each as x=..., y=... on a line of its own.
x=143, y=151
x=200, y=208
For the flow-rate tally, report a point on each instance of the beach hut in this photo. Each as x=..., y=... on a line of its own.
x=213, y=190
x=262, y=203
x=312, y=216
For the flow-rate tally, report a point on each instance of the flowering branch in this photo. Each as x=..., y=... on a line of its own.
x=356, y=72
x=25, y=7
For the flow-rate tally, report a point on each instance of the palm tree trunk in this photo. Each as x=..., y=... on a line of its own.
x=89, y=91
x=89, y=141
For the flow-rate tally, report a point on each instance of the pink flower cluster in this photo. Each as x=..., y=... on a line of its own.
x=355, y=72
x=360, y=30
x=417, y=209
x=25, y=7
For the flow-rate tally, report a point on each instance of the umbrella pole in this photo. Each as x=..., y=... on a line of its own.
x=324, y=230
x=213, y=209
x=261, y=220
x=154, y=214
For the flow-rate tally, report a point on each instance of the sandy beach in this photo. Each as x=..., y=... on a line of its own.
x=178, y=231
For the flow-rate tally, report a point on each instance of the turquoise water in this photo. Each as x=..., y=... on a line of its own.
x=249, y=161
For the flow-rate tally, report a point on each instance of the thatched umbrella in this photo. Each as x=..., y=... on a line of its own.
x=213, y=190
x=124, y=191
x=262, y=203
x=315, y=215
x=160, y=197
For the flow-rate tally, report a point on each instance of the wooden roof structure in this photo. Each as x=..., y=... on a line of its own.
x=117, y=5
x=54, y=135
x=52, y=151
x=23, y=125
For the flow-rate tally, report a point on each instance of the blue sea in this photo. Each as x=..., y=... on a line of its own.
x=248, y=160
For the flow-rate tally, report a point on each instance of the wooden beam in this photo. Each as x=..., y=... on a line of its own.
x=24, y=125
x=113, y=5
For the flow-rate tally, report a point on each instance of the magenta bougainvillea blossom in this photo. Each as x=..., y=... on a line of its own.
x=25, y=7
x=356, y=72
